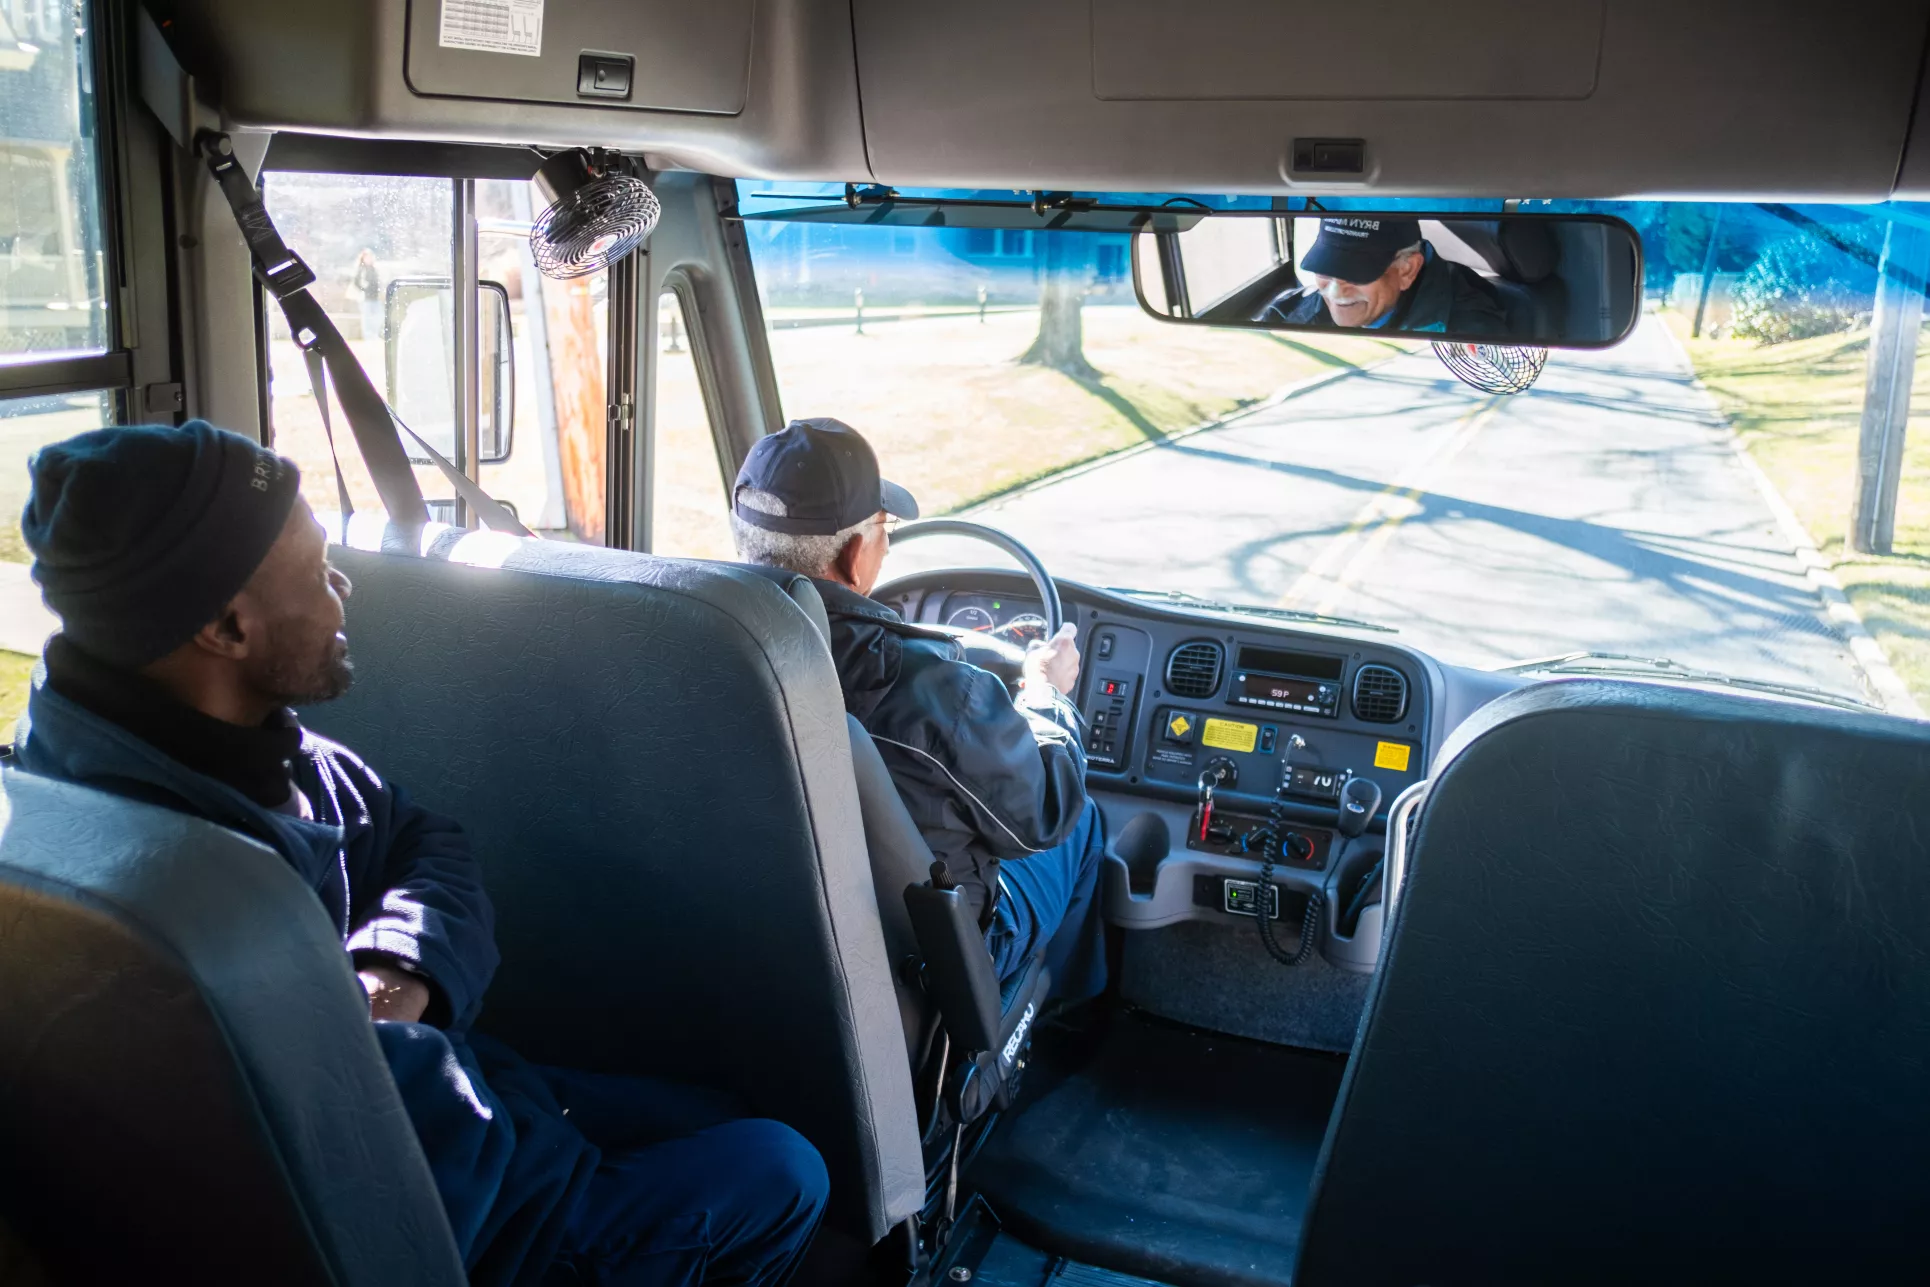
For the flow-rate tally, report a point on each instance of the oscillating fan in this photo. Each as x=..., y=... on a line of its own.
x=1493, y=368
x=598, y=212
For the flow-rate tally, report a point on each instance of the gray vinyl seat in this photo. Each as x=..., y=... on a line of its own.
x=650, y=758
x=193, y=1092
x=1655, y=1005
x=900, y=858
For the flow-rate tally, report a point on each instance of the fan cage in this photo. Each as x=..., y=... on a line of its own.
x=1493, y=368
x=593, y=226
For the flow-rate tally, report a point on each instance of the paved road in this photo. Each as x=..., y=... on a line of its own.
x=1604, y=509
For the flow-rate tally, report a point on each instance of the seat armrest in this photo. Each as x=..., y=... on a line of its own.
x=958, y=968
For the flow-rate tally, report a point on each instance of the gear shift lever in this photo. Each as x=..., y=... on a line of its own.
x=1359, y=802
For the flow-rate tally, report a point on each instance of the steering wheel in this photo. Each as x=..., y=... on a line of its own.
x=1001, y=657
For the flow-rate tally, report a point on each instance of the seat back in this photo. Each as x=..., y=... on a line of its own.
x=649, y=757
x=193, y=1092
x=1656, y=1004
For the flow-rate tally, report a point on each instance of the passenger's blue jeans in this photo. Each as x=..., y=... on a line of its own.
x=688, y=1191
x=1051, y=897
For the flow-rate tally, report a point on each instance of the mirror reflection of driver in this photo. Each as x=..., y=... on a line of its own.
x=1375, y=273
x=994, y=782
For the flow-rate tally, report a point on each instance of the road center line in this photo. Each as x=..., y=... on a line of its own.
x=1355, y=548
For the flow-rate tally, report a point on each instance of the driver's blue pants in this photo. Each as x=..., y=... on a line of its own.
x=1051, y=897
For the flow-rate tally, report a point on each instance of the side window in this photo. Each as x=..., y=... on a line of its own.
x=689, y=504
x=52, y=301
x=374, y=243
x=385, y=252
x=57, y=332
x=555, y=471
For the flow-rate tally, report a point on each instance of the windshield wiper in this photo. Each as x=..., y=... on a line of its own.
x=1251, y=610
x=1616, y=663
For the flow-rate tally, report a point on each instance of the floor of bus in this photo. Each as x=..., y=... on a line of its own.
x=1155, y=1150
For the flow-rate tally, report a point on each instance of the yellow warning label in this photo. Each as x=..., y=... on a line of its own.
x=1178, y=727
x=1229, y=735
x=1392, y=755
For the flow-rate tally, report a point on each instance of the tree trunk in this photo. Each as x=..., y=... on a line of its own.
x=582, y=402
x=1060, y=343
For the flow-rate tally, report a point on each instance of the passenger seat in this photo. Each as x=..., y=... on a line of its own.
x=193, y=1091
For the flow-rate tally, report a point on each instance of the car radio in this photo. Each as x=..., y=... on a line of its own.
x=1302, y=682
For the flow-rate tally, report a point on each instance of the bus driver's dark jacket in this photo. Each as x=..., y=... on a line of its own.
x=983, y=778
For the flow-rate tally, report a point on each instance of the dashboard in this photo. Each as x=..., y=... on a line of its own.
x=1280, y=716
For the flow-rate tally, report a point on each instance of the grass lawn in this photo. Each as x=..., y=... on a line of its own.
x=955, y=418
x=1797, y=407
x=15, y=669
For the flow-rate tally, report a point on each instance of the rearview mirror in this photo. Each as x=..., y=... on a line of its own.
x=419, y=319
x=1532, y=280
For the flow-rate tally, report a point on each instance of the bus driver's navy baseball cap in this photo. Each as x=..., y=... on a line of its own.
x=825, y=473
x=1358, y=250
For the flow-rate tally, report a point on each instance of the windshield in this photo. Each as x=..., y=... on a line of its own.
x=1741, y=487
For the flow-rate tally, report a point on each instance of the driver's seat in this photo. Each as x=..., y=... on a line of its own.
x=965, y=1036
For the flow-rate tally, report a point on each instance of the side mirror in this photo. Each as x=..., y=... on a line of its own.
x=418, y=343
x=1531, y=280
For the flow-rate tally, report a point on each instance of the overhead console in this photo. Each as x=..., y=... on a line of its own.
x=732, y=87
x=642, y=54
x=1537, y=98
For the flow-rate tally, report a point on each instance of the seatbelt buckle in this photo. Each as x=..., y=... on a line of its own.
x=287, y=277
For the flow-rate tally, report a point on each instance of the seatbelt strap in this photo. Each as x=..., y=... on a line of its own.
x=369, y=416
x=318, y=382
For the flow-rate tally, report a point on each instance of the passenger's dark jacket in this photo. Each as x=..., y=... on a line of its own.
x=983, y=778
x=1446, y=297
x=392, y=877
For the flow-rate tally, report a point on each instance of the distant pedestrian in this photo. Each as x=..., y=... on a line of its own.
x=365, y=287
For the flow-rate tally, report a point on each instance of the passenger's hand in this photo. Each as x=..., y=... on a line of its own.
x=394, y=993
x=1054, y=661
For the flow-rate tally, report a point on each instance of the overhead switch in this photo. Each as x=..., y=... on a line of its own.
x=604, y=75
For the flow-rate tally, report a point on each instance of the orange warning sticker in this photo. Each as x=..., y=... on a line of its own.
x=1392, y=755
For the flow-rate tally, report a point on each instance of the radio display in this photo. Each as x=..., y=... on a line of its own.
x=1312, y=665
x=1286, y=693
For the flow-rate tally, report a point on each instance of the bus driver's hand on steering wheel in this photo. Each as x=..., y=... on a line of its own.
x=1054, y=661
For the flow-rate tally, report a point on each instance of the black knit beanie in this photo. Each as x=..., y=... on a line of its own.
x=142, y=535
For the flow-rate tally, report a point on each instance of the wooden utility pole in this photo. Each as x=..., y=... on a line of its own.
x=1708, y=273
x=1894, y=330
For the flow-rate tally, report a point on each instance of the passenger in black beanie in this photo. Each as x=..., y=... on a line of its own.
x=197, y=605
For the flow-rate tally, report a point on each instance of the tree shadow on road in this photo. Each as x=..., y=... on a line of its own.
x=1707, y=570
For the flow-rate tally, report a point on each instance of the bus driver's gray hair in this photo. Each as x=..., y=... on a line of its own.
x=809, y=555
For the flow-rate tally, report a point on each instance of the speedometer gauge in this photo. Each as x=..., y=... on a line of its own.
x=971, y=618
x=1024, y=628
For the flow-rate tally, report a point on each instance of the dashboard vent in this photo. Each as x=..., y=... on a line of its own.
x=1194, y=669
x=1380, y=694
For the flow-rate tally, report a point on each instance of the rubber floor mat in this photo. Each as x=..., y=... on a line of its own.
x=1175, y=1154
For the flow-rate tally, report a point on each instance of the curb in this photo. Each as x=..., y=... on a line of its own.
x=1272, y=400
x=1879, y=676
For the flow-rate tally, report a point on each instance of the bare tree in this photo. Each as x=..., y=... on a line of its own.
x=1060, y=343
